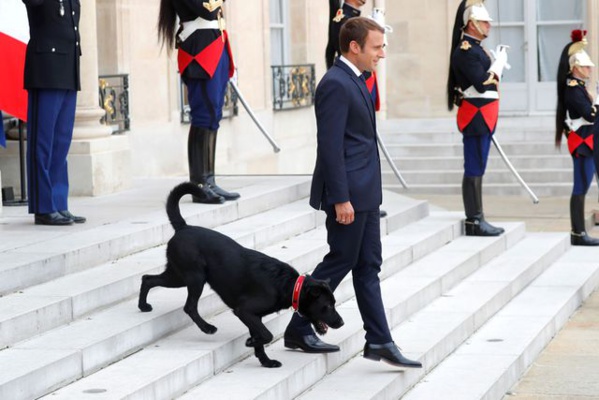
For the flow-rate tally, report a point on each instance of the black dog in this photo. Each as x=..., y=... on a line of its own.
x=251, y=283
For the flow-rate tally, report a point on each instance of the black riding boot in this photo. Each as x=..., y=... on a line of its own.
x=473, y=206
x=198, y=157
x=578, y=236
x=210, y=171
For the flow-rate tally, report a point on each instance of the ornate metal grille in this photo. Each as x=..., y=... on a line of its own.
x=230, y=109
x=293, y=86
x=114, y=100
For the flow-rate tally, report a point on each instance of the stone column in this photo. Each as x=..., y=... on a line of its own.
x=99, y=162
x=381, y=72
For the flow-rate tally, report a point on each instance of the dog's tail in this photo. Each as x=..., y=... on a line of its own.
x=172, y=203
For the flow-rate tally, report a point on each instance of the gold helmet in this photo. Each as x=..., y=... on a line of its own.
x=577, y=57
x=476, y=11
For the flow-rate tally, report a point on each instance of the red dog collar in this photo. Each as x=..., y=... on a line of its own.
x=295, y=297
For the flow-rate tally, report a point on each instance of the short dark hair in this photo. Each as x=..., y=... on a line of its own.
x=356, y=29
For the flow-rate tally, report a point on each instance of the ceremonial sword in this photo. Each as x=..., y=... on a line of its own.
x=390, y=161
x=275, y=147
x=535, y=199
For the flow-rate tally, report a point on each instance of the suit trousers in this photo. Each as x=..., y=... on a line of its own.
x=357, y=248
x=51, y=117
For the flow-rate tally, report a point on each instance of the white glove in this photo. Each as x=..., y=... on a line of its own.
x=597, y=92
x=500, y=57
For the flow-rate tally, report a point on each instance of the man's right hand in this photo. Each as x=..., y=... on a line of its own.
x=344, y=213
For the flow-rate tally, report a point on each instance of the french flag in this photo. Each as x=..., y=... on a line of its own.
x=14, y=35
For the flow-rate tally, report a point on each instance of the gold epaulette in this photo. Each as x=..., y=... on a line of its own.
x=212, y=5
x=465, y=45
x=339, y=16
x=573, y=82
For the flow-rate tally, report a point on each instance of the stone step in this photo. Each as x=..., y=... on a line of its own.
x=451, y=135
x=495, y=357
x=65, y=251
x=439, y=164
x=434, y=332
x=227, y=347
x=101, y=338
x=512, y=124
x=324, y=368
x=457, y=149
x=39, y=308
x=435, y=177
x=553, y=189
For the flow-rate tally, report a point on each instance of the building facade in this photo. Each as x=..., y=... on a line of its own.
x=120, y=37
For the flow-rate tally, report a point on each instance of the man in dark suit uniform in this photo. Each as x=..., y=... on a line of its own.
x=52, y=82
x=346, y=185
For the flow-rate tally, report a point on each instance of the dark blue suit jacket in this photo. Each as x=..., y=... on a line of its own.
x=347, y=162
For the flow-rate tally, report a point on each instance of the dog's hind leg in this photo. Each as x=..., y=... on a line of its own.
x=195, y=286
x=166, y=279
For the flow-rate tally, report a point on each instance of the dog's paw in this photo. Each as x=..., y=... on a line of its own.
x=271, y=364
x=145, y=307
x=209, y=329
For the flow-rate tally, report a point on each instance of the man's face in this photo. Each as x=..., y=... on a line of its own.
x=582, y=72
x=356, y=3
x=485, y=27
x=372, y=51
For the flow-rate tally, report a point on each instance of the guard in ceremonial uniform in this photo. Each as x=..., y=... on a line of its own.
x=472, y=86
x=205, y=64
x=52, y=81
x=574, y=118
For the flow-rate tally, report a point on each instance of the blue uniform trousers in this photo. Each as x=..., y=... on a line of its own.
x=357, y=248
x=51, y=116
x=476, y=154
x=207, y=96
x=584, y=169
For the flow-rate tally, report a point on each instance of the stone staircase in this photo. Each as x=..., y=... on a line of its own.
x=475, y=311
x=429, y=155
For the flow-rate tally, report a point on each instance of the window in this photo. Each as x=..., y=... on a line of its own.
x=279, y=32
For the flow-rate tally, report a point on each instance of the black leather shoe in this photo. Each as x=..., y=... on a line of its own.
x=390, y=354
x=76, y=219
x=52, y=219
x=383, y=213
x=309, y=343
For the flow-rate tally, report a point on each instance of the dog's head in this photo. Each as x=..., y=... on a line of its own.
x=317, y=304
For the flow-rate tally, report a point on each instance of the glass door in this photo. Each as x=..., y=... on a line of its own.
x=536, y=31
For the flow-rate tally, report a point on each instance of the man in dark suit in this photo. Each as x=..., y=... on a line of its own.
x=52, y=82
x=347, y=186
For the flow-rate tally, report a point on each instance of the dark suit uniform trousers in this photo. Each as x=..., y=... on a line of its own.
x=51, y=116
x=356, y=248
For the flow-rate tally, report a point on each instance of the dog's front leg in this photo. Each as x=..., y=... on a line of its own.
x=259, y=336
x=264, y=360
x=259, y=333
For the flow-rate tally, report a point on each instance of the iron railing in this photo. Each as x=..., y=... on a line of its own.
x=293, y=86
x=114, y=100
